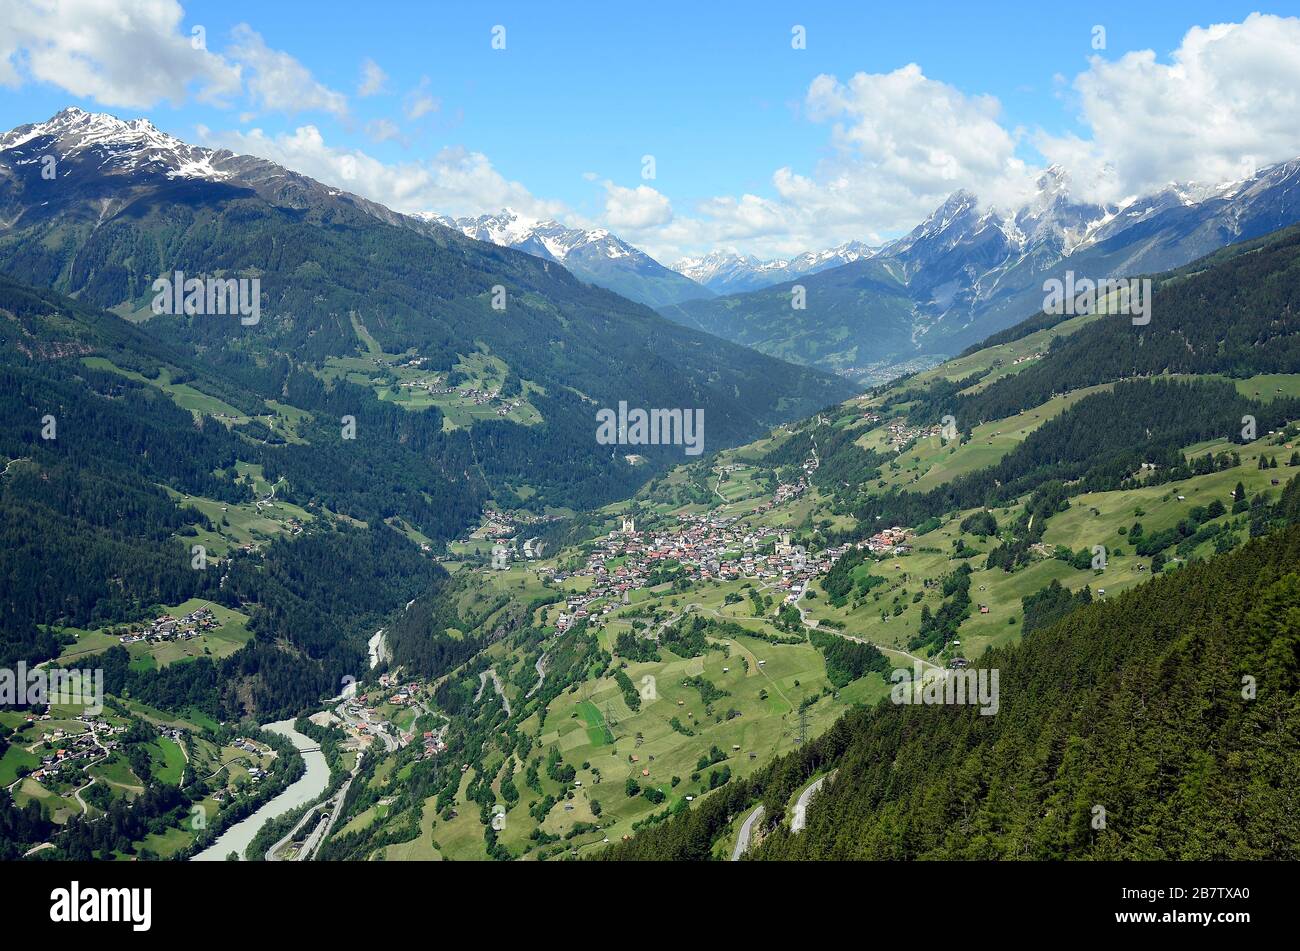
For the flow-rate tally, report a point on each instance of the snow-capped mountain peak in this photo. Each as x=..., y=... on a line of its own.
x=595, y=255
x=811, y=261
x=543, y=237
x=119, y=144
x=507, y=227
x=720, y=266
x=727, y=271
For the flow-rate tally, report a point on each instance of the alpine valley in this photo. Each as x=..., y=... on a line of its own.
x=369, y=540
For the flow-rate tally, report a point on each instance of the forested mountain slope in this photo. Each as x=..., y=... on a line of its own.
x=110, y=478
x=343, y=279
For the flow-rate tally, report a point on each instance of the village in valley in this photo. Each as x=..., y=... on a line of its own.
x=701, y=548
x=687, y=548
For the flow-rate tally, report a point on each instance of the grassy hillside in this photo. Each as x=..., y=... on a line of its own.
x=1159, y=726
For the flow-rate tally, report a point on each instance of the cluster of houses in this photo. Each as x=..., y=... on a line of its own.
x=502, y=525
x=403, y=695
x=888, y=541
x=498, y=526
x=488, y=398
x=480, y=397
x=705, y=547
x=168, y=628
x=361, y=721
x=435, y=741
x=900, y=434
x=364, y=722
x=437, y=386
x=433, y=386
x=78, y=750
x=708, y=547
x=785, y=493
x=503, y=530
x=244, y=744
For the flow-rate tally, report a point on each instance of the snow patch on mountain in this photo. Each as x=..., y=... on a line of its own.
x=545, y=237
x=727, y=271
x=127, y=145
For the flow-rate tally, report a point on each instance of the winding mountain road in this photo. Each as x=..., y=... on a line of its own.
x=812, y=625
x=746, y=833
x=800, y=818
x=540, y=667
x=496, y=683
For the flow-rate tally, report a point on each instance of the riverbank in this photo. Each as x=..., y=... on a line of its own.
x=305, y=789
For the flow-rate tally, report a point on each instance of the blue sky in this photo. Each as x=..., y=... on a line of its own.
x=558, y=121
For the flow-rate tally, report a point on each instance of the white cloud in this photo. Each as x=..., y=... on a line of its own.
x=900, y=143
x=128, y=55
x=452, y=182
x=381, y=130
x=279, y=82
x=135, y=55
x=419, y=102
x=1227, y=99
x=635, y=209
x=373, y=79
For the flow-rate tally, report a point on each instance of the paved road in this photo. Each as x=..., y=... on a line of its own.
x=812, y=625
x=717, y=488
x=800, y=817
x=373, y=729
x=322, y=832
x=312, y=844
x=76, y=794
x=540, y=667
x=273, y=853
x=496, y=684
x=746, y=831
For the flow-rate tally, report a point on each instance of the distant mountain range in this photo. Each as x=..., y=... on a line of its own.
x=967, y=271
x=727, y=272
x=964, y=273
x=602, y=258
x=97, y=208
x=596, y=256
